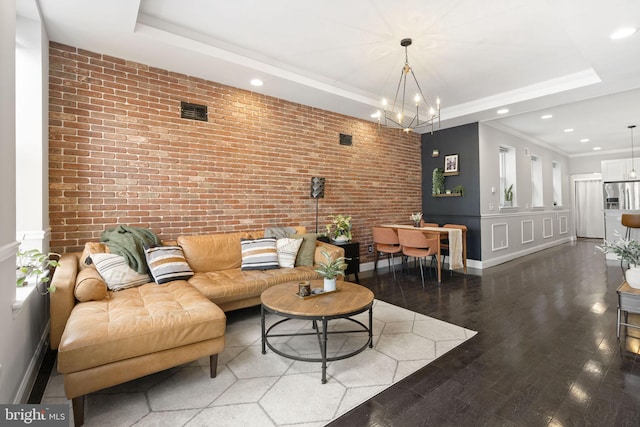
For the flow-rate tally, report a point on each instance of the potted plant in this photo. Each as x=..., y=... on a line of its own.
x=437, y=178
x=508, y=196
x=34, y=264
x=628, y=250
x=331, y=269
x=458, y=189
x=416, y=218
x=339, y=229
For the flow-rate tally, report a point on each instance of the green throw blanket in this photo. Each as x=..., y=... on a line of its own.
x=130, y=242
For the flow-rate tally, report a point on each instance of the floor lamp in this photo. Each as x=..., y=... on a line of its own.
x=317, y=192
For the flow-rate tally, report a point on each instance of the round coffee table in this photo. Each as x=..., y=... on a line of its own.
x=348, y=300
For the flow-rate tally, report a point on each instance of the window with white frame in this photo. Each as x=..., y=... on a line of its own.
x=557, y=183
x=507, y=176
x=536, y=182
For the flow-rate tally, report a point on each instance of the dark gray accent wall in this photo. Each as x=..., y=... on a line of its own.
x=463, y=141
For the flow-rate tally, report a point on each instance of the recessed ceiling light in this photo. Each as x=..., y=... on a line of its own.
x=597, y=148
x=622, y=33
x=503, y=111
x=546, y=116
x=569, y=130
x=376, y=115
x=584, y=140
x=256, y=82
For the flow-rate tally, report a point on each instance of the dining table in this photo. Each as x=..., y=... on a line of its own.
x=456, y=239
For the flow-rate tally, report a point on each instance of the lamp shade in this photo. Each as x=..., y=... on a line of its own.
x=317, y=187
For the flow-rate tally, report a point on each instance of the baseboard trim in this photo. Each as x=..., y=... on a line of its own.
x=514, y=255
x=24, y=391
x=382, y=263
x=479, y=265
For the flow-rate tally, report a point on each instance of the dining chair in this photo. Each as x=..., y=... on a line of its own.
x=385, y=241
x=444, y=247
x=417, y=245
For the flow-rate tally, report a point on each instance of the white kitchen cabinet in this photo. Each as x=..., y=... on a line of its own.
x=615, y=170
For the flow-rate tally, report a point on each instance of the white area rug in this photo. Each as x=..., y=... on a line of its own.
x=253, y=389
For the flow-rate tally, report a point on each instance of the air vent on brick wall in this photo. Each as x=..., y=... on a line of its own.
x=193, y=111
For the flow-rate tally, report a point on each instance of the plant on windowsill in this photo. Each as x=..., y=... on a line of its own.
x=508, y=196
x=628, y=250
x=339, y=229
x=331, y=269
x=32, y=263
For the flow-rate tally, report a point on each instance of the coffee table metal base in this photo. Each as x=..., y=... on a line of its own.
x=322, y=335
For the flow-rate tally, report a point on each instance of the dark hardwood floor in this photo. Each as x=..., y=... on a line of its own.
x=545, y=354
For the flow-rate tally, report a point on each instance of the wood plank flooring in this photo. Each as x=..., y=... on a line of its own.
x=546, y=352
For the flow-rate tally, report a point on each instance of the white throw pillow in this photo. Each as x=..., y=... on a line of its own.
x=287, y=251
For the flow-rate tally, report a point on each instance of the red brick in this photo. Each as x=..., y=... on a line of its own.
x=248, y=167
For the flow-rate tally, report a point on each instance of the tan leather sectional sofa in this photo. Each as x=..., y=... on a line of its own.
x=138, y=331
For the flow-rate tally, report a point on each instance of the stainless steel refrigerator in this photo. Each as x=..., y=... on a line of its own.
x=623, y=195
x=620, y=197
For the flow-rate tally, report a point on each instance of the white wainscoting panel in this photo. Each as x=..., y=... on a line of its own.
x=499, y=236
x=547, y=227
x=526, y=228
x=563, y=221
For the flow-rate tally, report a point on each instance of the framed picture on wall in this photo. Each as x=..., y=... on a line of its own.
x=451, y=165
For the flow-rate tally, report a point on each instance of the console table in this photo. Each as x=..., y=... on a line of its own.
x=628, y=302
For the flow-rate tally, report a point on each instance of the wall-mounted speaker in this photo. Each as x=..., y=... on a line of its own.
x=317, y=187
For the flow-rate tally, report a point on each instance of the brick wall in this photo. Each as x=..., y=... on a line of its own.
x=120, y=154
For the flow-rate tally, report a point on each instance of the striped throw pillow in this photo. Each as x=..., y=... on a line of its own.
x=287, y=251
x=116, y=272
x=259, y=254
x=167, y=263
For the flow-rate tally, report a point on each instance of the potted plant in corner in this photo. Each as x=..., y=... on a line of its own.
x=628, y=250
x=339, y=229
x=508, y=196
x=331, y=269
x=32, y=263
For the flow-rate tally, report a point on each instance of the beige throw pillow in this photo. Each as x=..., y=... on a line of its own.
x=117, y=273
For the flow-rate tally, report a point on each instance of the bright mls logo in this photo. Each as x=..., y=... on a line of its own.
x=34, y=415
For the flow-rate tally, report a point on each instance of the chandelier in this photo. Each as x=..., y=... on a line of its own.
x=632, y=174
x=396, y=117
